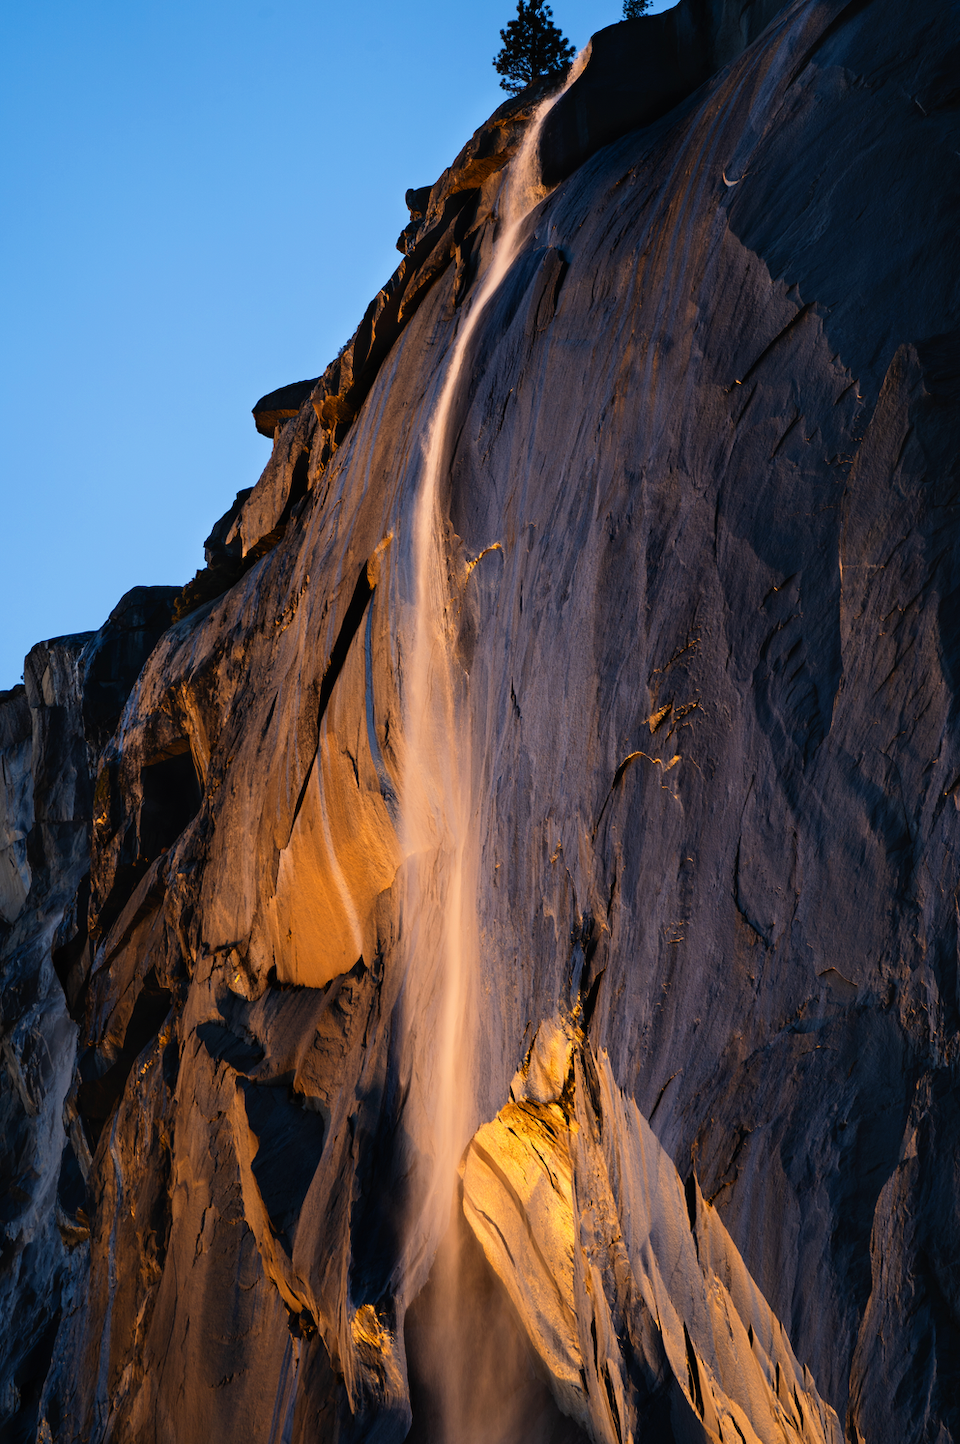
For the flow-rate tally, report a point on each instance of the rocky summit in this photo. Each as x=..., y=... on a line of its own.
x=479, y=964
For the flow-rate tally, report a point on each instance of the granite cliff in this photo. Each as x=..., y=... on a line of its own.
x=481, y=961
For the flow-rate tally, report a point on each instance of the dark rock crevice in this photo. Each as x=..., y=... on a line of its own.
x=353, y=617
x=102, y=1081
x=171, y=797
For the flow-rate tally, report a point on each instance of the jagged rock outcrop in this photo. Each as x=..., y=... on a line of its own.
x=272, y=410
x=51, y=732
x=699, y=511
x=638, y=1300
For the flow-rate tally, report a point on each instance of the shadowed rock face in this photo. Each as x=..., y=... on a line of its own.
x=702, y=513
x=51, y=732
x=640, y=69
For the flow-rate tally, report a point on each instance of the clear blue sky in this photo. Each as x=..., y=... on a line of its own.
x=200, y=201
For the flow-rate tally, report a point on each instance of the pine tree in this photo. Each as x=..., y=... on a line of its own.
x=533, y=48
x=634, y=8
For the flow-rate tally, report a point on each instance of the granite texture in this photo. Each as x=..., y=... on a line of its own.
x=701, y=518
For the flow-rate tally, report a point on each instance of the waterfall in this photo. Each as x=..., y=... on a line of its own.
x=439, y=827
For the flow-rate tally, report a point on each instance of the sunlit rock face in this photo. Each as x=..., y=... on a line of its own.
x=628, y=1284
x=699, y=515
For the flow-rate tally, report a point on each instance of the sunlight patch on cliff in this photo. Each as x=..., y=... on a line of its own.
x=611, y=1261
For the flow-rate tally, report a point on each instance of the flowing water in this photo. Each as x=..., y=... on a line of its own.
x=439, y=823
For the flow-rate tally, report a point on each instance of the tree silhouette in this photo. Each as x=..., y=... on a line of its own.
x=634, y=8
x=533, y=48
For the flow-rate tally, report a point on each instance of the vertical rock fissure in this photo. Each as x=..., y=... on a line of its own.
x=349, y=627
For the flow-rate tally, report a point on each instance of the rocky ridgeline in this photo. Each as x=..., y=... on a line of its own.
x=704, y=530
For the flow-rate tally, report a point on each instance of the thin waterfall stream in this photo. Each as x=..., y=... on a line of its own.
x=439, y=837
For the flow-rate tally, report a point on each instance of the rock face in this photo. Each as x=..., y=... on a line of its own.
x=693, y=667
x=52, y=730
x=641, y=69
x=638, y=1300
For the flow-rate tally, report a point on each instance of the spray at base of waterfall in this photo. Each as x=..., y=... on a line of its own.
x=490, y=1388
